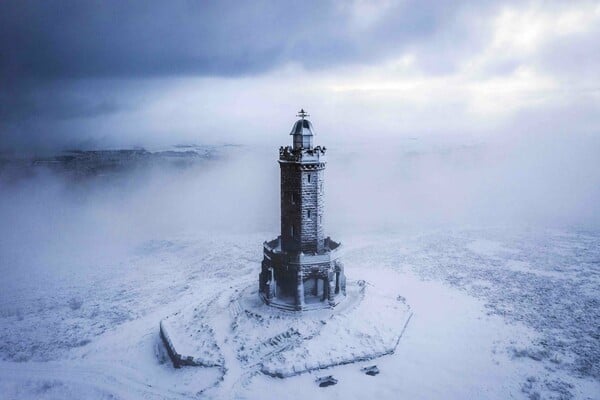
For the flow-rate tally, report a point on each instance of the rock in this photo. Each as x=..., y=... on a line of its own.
x=371, y=370
x=325, y=381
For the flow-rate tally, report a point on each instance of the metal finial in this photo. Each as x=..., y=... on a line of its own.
x=302, y=114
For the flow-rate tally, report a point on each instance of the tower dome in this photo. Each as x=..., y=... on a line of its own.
x=302, y=132
x=302, y=127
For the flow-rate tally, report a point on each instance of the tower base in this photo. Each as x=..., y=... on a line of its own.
x=298, y=281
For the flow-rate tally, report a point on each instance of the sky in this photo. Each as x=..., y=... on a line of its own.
x=105, y=74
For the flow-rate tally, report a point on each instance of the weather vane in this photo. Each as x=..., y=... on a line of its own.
x=302, y=113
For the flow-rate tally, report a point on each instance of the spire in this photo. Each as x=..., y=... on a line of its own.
x=302, y=114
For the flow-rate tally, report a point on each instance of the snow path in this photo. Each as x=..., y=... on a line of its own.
x=222, y=327
x=234, y=375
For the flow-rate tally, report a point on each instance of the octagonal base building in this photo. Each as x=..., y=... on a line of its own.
x=301, y=269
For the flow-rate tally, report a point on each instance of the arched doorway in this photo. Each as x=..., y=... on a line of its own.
x=314, y=290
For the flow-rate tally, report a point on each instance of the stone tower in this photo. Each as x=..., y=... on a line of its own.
x=301, y=269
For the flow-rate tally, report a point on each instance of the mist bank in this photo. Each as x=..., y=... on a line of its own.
x=49, y=219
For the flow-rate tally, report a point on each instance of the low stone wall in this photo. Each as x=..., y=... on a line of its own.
x=201, y=352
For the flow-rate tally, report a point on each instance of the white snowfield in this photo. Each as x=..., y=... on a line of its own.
x=497, y=314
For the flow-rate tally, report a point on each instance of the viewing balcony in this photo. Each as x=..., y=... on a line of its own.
x=332, y=251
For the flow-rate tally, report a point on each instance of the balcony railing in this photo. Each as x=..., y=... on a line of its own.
x=332, y=251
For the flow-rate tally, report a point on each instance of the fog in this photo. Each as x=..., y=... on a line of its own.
x=51, y=222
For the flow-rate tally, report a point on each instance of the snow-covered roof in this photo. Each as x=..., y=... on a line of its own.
x=302, y=127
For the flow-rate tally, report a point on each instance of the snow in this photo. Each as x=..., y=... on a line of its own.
x=367, y=324
x=497, y=313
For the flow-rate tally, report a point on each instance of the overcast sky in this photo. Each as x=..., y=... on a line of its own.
x=114, y=73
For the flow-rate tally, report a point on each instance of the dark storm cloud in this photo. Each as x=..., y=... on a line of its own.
x=67, y=39
x=53, y=100
x=62, y=62
x=50, y=50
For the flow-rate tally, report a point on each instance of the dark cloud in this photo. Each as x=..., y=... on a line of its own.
x=67, y=61
x=54, y=101
x=74, y=39
x=50, y=50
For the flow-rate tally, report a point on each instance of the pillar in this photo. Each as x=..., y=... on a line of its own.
x=271, y=285
x=299, y=289
x=331, y=288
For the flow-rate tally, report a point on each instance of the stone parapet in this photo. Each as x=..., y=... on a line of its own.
x=302, y=156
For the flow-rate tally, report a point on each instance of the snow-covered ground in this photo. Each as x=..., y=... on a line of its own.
x=498, y=313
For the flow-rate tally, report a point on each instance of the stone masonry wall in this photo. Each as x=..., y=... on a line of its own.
x=312, y=210
x=290, y=206
x=302, y=206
